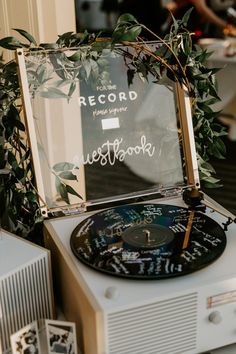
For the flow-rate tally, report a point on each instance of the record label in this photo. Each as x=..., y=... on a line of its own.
x=148, y=241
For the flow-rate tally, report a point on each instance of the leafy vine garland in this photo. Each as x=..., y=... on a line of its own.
x=177, y=57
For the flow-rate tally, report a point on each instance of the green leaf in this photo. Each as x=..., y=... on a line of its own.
x=220, y=146
x=130, y=76
x=67, y=175
x=2, y=157
x=11, y=43
x=72, y=191
x=76, y=56
x=72, y=89
x=94, y=68
x=175, y=23
x=63, y=166
x=13, y=217
x=19, y=173
x=49, y=45
x=26, y=35
x=81, y=36
x=204, y=55
x=12, y=160
x=42, y=74
x=126, y=34
x=53, y=92
x=19, y=125
x=31, y=196
x=105, y=77
x=62, y=83
x=126, y=18
x=133, y=33
x=102, y=62
x=58, y=68
x=211, y=101
x=186, y=16
x=207, y=166
x=211, y=185
x=87, y=67
x=211, y=179
x=163, y=52
x=61, y=189
x=203, y=106
x=65, y=36
x=216, y=151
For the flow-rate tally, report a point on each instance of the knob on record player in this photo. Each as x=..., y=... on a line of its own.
x=111, y=293
x=215, y=317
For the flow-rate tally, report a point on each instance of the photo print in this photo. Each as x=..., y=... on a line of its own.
x=26, y=340
x=61, y=337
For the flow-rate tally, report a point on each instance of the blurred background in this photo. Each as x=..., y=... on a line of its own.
x=102, y=14
x=214, y=23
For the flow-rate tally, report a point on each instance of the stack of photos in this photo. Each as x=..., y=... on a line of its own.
x=26, y=340
x=60, y=337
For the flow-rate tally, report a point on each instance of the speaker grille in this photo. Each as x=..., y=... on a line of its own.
x=164, y=327
x=25, y=296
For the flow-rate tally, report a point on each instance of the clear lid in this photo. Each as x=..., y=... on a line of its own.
x=96, y=134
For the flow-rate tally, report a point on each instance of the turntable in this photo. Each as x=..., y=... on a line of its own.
x=143, y=263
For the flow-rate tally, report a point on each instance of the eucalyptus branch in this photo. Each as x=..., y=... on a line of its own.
x=168, y=46
x=145, y=49
x=136, y=45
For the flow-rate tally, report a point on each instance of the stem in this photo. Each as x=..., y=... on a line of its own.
x=167, y=45
x=175, y=56
x=158, y=58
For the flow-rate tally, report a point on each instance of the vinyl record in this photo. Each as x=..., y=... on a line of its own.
x=148, y=241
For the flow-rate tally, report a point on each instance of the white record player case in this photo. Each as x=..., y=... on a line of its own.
x=97, y=130
x=164, y=316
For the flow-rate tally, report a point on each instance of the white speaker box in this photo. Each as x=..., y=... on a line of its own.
x=25, y=285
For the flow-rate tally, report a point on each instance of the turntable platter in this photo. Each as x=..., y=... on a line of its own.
x=148, y=241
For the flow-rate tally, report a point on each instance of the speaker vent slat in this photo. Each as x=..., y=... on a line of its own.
x=164, y=327
x=25, y=296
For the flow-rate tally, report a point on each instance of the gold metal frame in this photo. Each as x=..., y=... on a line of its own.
x=31, y=130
